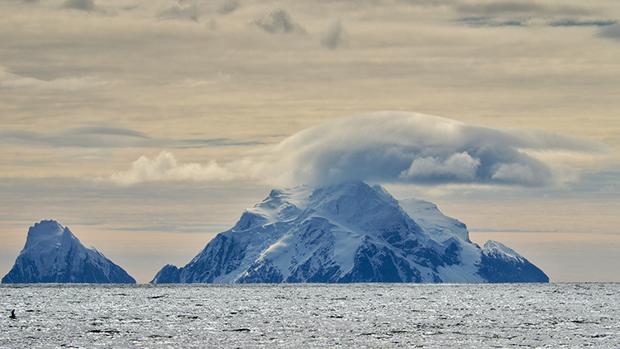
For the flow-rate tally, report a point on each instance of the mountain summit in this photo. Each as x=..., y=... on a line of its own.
x=350, y=232
x=52, y=254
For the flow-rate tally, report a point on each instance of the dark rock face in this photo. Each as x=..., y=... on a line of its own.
x=349, y=232
x=169, y=274
x=380, y=264
x=500, y=268
x=52, y=254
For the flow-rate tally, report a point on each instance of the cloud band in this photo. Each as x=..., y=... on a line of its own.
x=389, y=147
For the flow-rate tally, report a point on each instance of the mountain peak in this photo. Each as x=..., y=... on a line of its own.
x=53, y=254
x=350, y=188
x=359, y=204
x=46, y=227
x=46, y=232
x=355, y=194
x=500, y=263
x=492, y=247
x=346, y=232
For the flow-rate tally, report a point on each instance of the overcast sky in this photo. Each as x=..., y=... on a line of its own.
x=148, y=126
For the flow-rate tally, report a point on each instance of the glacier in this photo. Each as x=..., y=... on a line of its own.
x=52, y=254
x=349, y=233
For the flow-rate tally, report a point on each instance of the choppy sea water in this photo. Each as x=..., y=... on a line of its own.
x=363, y=315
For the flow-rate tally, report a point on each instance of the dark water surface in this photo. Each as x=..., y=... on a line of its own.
x=361, y=315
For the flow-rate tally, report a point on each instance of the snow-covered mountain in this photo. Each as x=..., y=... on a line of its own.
x=349, y=232
x=52, y=254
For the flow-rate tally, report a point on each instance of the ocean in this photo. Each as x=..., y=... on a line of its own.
x=557, y=315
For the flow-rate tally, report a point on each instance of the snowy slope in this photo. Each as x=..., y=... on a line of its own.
x=433, y=221
x=52, y=254
x=498, y=263
x=350, y=232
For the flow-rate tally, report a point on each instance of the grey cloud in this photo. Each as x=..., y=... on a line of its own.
x=491, y=22
x=500, y=8
x=571, y=22
x=484, y=21
x=82, y=5
x=278, y=22
x=105, y=130
x=335, y=36
x=611, y=32
x=387, y=147
x=187, y=12
x=419, y=149
x=214, y=142
x=88, y=137
x=110, y=137
x=523, y=13
x=228, y=6
x=503, y=7
x=10, y=80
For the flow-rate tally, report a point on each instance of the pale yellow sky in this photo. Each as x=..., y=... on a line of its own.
x=85, y=91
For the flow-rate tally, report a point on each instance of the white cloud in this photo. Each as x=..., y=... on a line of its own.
x=459, y=166
x=165, y=167
x=517, y=173
x=389, y=147
x=218, y=78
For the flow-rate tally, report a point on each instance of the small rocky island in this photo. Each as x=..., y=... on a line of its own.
x=52, y=254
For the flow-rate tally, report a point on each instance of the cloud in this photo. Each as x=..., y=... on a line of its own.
x=165, y=167
x=571, y=22
x=83, y=137
x=278, y=22
x=188, y=12
x=525, y=13
x=105, y=131
x=228, y=6
x=492, y=22
x=82, y=5
x=9, y=80
x=419, y=149
x=484, y=21
x=218, y=78
x=459, y=167
x=611, y=32
x=522, y=7
x=401, y=147
x=334, y=37
x=110, y=137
